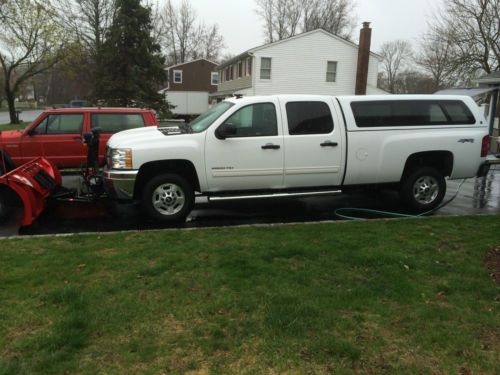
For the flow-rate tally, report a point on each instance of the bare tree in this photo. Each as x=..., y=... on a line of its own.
x=212, y=43
x=30, y=42
x=334, y=16
x=411, y=81
x=472, y=28
x=87, y=20
x=265, y=8
x=434, y=58
x=185, y=38
x=395, y=55
x=286, y=18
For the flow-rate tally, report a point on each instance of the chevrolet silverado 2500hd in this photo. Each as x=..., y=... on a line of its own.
x=298, y=144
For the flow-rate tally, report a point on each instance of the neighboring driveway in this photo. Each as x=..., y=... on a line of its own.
x=27, y=115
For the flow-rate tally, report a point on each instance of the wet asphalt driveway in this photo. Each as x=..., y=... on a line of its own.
x=476, y=196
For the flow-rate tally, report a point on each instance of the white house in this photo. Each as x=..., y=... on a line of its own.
x=315, y=62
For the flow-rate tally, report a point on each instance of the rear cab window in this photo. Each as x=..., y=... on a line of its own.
x=395, y=113
x=309, y=118
x=116, y=122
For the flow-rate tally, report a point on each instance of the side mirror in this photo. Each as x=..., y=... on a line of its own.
x=225, y=130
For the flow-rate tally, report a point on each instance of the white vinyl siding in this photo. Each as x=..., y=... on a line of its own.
x=306, y=74
x=188, y=102
x=331, y=71
x=265, y=68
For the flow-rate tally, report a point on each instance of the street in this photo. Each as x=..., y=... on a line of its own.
x=27, y=116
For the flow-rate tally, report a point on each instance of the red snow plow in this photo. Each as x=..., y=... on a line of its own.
x=31, y=183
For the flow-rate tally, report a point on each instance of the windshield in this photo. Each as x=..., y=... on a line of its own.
x=206, y=119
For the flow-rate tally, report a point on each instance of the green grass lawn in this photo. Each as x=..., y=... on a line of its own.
x=20, y=126
x=396, y=297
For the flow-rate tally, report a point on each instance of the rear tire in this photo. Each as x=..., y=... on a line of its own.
x=423, y=189
x=168, y=198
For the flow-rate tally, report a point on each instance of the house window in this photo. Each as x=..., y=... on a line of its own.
x=249, y=67
x=177, y=76
x=231, y=74
x=214, y=78
x=265, y=68
x=227, y=74
x=240, y=69
x=331, y=71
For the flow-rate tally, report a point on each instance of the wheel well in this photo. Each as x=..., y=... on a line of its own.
x=183, y=168
x=440, y=160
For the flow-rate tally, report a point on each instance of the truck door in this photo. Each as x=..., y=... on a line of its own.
x=252, y=157
x=313, y=144
x=58, y=137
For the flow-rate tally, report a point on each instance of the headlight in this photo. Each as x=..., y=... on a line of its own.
x=120, y=158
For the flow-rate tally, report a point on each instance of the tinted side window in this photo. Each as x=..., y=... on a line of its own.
x=411, y=113
x=309, y=118
x=255, y=120
x=116, y=122
x=458, y=112
x=61, y=124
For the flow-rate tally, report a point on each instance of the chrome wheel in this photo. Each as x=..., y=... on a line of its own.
x=425, y=189
x=168, y=199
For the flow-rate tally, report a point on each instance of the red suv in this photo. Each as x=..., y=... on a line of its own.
x=57, y=133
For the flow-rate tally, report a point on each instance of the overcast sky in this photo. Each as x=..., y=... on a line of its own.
x=391, y=19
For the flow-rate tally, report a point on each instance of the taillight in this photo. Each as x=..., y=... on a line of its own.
x=485, y=145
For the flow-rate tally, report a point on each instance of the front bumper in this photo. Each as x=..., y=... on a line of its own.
x=120, y=184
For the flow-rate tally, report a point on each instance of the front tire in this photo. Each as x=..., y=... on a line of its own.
x=168, y=198
x=423, y=190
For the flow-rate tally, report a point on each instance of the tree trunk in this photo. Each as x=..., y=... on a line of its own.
x=12, y=107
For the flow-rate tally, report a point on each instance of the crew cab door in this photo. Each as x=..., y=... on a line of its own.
x=314, y=138
x=252, y=156
x=58, y=137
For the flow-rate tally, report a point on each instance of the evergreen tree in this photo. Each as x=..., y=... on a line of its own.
x=131, y=66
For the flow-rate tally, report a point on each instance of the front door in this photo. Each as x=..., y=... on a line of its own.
x=58, y=138
x=251, y=158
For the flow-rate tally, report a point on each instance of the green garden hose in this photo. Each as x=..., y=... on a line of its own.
x=389, y=214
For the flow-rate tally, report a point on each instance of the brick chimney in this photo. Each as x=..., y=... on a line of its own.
x=365, y=38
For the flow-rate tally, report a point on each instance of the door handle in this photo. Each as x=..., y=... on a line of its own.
x=329, y=144
x=270, y=146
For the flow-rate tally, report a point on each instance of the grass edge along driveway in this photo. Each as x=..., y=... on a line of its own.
x=407, y=296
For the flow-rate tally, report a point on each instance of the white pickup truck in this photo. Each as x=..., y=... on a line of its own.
x=301, y=144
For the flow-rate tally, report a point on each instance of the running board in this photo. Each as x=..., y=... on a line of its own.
x=276, y=195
